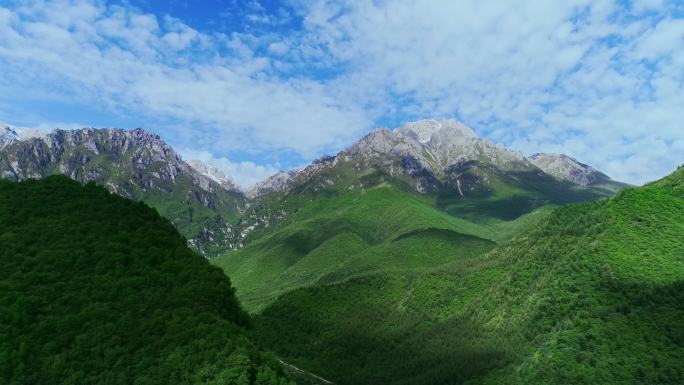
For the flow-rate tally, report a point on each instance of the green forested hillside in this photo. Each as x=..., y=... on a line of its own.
x=97, y=289
x=593, y=294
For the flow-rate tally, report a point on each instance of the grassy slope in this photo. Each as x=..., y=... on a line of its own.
x=594, y=294
x=332, y=238
x=97, y=289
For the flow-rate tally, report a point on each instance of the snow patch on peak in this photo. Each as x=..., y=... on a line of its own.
x=9, y=133
x=214, y=174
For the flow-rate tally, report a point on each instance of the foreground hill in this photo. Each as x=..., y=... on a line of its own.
x=593, y=294
x=97, y=289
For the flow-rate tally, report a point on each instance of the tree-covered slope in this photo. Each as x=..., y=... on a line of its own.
x=591, y=295
x=97, y=289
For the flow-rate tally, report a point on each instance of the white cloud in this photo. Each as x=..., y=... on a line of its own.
x=278, y=48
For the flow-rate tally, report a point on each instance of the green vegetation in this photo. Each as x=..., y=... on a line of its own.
x=336, y=237
x=491, y=193
x=591, y=294
x=97, y=289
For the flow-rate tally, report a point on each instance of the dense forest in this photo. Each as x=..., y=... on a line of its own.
x=97, y=289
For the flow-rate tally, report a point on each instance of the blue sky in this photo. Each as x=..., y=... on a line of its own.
x=256, y=86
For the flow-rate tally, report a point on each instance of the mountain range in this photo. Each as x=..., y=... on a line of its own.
x=441, y=158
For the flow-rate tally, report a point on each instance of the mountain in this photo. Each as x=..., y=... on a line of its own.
x=589, y=294
x=466, y=176
x=420, y=151
x=428, y=152
x=397, y=261
x=202, y=202
x=97, y=289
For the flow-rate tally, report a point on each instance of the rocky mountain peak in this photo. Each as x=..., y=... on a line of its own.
x=422, y=149
x=567, y=168
x=382, y=142
x=275, y=183
x=7, y=135
x=450, y=141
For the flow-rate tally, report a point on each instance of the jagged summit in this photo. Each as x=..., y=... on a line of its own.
x=568, y=168
x=428, y=149
x=435, y=144
x=425, y=130
x=275, y=183
x=9, y=134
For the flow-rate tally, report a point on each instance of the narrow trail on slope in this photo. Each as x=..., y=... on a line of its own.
x=296, y=369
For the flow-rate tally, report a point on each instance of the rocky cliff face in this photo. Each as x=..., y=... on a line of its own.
x=198, y=199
